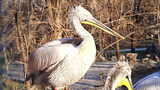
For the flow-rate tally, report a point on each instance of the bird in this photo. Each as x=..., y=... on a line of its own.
x=119, y=77
x=62, y=62
x=150, y=82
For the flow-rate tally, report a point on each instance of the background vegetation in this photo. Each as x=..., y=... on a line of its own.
x=25, y=25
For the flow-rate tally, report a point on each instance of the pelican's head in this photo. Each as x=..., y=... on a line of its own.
x=85, y=17
x=119, y=78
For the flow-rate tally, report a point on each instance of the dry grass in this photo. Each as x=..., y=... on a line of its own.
x=28, y=24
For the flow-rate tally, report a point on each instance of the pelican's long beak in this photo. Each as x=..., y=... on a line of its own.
x=125, y=82
x=98, y=24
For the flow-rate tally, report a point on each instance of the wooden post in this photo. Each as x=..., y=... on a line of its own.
x=136, y=9
x=132, y=44
x=117, y=50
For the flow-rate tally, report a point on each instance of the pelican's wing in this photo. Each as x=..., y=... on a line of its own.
x=150, y=82
x=49, y=55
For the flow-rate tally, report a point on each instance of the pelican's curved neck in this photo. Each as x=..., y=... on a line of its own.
x=80, y=29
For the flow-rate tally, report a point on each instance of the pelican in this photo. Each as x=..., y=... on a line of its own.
x=62, y=62
x=119, y=77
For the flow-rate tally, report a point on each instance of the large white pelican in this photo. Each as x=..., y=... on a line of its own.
x=62, y=62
